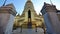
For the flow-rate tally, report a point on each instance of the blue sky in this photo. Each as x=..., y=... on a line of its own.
x=19, y=4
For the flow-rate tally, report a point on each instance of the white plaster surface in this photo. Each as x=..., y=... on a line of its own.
x=48, y=24
x=9, y=26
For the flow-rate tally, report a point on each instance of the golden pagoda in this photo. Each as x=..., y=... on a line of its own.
x=29, y=17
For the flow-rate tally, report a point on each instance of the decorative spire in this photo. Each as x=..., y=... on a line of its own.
x=51, y=2
x=28, y=0
x=4, y=2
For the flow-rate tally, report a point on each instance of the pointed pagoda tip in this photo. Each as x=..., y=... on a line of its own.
x=28, y=0
x=45, y=3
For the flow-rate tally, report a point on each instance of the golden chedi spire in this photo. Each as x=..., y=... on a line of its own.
x=28, y=0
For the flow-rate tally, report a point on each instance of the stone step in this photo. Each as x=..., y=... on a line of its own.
x=28, y=31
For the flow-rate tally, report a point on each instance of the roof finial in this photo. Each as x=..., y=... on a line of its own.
x=51, y=2
x=28, y=0
x=4, y=2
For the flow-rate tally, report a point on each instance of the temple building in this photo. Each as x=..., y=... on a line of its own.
x=29, y=17
x=49, y=21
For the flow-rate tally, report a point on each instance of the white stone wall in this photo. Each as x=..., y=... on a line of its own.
x=48, y=24
x=55, y=21
x=4, y=17
x=9, y=26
